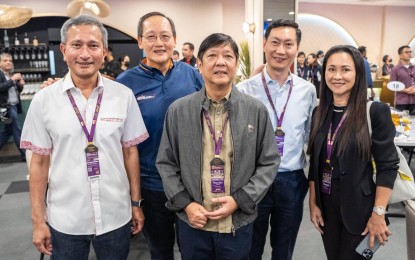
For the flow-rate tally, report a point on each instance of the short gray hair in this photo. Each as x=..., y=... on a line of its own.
x=84, y=20
x=4, y=55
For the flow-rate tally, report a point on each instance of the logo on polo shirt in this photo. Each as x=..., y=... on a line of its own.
x=144, y=97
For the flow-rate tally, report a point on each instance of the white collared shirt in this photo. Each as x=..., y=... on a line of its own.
x=297, y=119
x=52, y=127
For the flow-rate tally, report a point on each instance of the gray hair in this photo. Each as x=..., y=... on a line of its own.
x=4, y=55
x=84, y=20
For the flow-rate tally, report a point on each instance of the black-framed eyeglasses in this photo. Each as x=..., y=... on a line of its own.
x=153, y=38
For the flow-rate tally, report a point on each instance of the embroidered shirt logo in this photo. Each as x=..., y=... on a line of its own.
x=112, y=119
x=143, y=97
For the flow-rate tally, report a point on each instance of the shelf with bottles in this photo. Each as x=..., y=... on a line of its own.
x=7, y=42
x=29, y=58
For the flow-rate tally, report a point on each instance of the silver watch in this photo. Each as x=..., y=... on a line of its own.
x=380, y=210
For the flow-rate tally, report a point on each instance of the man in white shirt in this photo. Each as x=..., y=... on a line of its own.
x=290, y=101
x=90, y=127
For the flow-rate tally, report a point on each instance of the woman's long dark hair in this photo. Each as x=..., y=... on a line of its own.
x=355, y=124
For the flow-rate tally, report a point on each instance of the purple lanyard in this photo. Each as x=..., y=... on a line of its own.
x=218, y=144
x=279, y=120
x=331, y=141
x=301, y=71
x=90, y=136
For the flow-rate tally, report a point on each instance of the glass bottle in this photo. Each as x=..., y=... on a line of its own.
x=16, y=39
x=26, y=39
x=35, y=41
x=6, y=39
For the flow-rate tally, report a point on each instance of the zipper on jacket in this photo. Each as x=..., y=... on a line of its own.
x=233, y=230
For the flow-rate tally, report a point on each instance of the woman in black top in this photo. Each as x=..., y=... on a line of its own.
x=387, y=65
x=314, y=72
x=345, y=203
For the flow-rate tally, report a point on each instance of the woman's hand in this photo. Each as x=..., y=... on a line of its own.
x=377, y=228
x=316, y=217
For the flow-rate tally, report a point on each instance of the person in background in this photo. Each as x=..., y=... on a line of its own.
x=11, y=84
x=217, y=158
x=302, y=68
x=187, y=52
x=369, y=81
x=125, y=63
x=111, y=65
x=320, y=57
x=157, y=82
x=345, y=202
x=387, y=65
x=314, y=72
x=404, y=72
x=290, y=101
x=176, y=56
x=95, y=168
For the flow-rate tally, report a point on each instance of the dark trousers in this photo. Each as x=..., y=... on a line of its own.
x=159, y=225
x=205, y=245
x=114, y=245
x=13, y=129
x=282, y=208
x=339, y=244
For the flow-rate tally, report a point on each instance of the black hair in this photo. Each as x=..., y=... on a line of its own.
x=355, y=124
x=151, y=14
x=401, y=48
x=217, y=39
x=362, y=49
x=191, y=46
x=284, y=23
x=385, y=58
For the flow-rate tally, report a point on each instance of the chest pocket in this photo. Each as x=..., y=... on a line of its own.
x=110, y=125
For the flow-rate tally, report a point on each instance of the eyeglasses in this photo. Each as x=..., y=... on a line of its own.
x=153, y=38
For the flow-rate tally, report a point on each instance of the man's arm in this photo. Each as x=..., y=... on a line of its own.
x=131, y=163
x=39, y=170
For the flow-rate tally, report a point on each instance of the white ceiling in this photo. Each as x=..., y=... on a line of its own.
x=363, y=2
x=280, y=8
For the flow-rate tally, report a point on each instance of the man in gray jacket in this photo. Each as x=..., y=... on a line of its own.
x=217, y=158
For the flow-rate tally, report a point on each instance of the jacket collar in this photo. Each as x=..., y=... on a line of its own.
x=228, y=106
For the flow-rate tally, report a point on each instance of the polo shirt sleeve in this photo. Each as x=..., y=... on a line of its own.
x=35, y=136
x=134, y=131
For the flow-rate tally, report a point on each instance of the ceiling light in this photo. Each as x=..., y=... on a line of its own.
x=13, y=16
x=269, y=19
x=96, y=7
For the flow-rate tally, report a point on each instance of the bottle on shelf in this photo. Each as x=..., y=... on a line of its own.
x=16, y=39
x=6, y=39
x=35, y=41
x=26, y=39
x=21, y=55
x=33, y=57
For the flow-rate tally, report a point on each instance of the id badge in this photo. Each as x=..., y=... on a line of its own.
x=326, y=181
x=217, y=175
x=279, y=137
x=92, y=162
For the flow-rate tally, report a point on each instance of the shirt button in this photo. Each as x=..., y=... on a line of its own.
x=343, y=173
x=218, y=132
x=218, y=113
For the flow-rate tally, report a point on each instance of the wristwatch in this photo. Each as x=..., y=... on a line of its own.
x=380, y=210
x=137, y=203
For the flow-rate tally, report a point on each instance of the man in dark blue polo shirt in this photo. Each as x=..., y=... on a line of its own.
x=156, y=82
